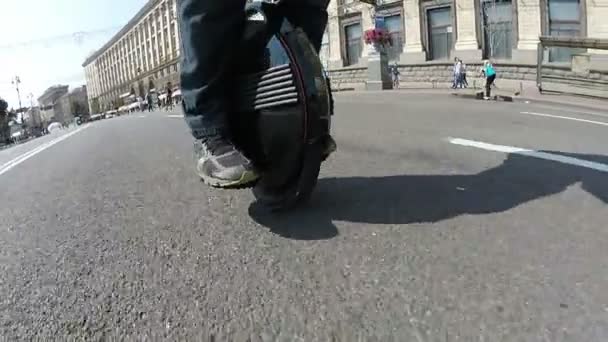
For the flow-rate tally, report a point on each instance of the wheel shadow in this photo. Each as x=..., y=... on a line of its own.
x=408, y=199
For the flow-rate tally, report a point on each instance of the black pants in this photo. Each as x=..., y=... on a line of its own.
x=209, y=30
x=489, y=82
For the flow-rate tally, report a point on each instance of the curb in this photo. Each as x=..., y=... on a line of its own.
x=559, y=103
x=479, y=96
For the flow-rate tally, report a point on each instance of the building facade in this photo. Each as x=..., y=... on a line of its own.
x=142, y=55
x=427, y=31
x=427, y=35
x=51, y=106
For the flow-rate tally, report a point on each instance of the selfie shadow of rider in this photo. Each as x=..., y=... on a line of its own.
x=432, y=198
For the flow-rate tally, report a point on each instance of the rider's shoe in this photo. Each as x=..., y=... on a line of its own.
x=220, y=164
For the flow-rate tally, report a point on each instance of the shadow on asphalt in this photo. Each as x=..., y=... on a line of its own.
x=431, y=198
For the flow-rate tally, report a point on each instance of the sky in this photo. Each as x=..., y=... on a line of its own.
x=38, y=41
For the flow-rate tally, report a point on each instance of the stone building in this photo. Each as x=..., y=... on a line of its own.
x=142, y=54
x=428, y=34
x=51, y=105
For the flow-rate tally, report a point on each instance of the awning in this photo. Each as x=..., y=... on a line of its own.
x=177, y=93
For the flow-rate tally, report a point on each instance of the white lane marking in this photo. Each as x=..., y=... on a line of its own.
x=572, y=110
x=142, y=116
x=567, y=118
x=20, y=159
x=530, y=153
x=175, y=116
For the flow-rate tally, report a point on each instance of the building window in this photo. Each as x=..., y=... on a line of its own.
x=497, y=24
x=394, y=25
x=564, y=20
x=354, y=45
x=440, y=32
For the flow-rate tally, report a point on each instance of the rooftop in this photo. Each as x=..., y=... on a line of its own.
x=140, y=14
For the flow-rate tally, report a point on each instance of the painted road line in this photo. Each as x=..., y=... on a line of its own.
x=175, y=116
x=20, y=159
x=530, y=153
x=566, y=118
x=569, y=111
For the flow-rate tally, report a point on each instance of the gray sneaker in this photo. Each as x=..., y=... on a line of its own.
x=221, y=165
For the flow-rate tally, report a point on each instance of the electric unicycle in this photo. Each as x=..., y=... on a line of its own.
x=281, y=107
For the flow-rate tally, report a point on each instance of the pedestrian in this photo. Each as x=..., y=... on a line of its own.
x=463, y=74
x=394, y=69
x=456, y=72
x=169, y=97
x=150, y=102
x=489, y=73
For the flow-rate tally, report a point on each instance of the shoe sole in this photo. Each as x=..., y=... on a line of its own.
x=247, y=180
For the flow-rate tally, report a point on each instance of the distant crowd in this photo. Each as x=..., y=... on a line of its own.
x=459, y=80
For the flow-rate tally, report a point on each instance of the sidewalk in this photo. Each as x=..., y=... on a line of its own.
x=530, y=95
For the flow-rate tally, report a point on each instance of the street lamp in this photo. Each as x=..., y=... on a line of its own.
x=16, y=81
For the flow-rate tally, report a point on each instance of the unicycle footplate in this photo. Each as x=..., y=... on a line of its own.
x=282, y=113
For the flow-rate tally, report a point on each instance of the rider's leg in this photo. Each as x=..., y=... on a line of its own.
x=311, y=16
x=209, y=32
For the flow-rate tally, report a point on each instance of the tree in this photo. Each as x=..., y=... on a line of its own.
x=79, y=108
x=151, y=84
x=5, y=131
x=3, y=106
x=95, y=105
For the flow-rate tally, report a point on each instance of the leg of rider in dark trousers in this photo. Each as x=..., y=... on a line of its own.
x=209, y=30
x=311, y=16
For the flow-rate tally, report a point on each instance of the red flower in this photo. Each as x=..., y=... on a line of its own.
x=378, y=36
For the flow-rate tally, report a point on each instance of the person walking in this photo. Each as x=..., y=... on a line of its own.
x=394, y=69
x=456, y=72
x=463, y=74
x=169, y=98
x=490, y=74
x=150, y=102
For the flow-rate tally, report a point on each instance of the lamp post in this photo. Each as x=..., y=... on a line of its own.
x=378, y=77
x=16, y=81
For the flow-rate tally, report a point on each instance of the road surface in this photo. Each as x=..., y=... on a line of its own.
x=438, y=219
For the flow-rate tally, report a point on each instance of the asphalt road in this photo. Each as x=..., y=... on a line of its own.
x=410, y=236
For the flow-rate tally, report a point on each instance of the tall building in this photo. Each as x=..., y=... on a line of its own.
x=427, y=35
x=51, y=106
x=142, y=55
x=431, y=31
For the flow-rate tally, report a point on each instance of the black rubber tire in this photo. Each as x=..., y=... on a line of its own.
x=302, y=189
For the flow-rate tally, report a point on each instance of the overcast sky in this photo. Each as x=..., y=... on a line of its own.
x=38, y=41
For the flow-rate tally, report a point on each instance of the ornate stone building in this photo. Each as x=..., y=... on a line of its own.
x=143, y=54
x=429, y=34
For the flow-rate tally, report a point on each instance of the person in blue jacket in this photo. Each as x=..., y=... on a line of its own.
x=490, y=75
